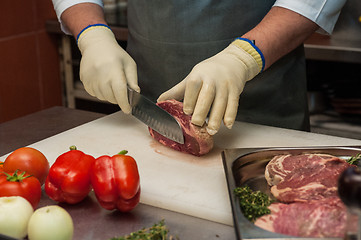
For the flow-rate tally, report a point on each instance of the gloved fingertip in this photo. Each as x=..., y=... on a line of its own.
x=127, y=110
x=161, y=98
x=197, y=122
x=229, y=121
x=211, y=131
x=188, y=111
x=137, y=89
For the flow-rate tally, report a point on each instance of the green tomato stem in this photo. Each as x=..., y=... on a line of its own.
x=16, y=177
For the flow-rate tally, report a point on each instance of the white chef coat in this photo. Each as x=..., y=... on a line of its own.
x=323, y=12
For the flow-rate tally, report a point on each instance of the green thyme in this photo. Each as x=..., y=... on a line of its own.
x=158, y=231
x=354, y=160
x=254, y=204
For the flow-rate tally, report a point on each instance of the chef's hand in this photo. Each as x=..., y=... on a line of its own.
x=105, y=68
x=217, y=82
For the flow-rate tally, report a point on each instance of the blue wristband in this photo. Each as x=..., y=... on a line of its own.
x=89, y=26
x=256, y=48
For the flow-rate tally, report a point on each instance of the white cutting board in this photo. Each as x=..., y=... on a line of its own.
x=173, y=180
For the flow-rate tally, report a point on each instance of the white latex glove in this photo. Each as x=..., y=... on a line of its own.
x=106, y=68
x=217, y=82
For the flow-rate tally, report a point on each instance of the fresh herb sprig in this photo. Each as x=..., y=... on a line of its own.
x=354, y=160
x=254, y=204
x=158, y=231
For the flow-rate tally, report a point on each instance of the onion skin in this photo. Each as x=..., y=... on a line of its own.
x=50, y=222
x=15, y=213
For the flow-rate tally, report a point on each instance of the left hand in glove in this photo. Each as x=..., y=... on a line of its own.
x=217, y=82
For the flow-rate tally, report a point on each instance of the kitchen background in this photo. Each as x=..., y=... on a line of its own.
x=29, y=60
x=39, y=66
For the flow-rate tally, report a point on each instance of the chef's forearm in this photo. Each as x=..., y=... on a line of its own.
x=280, y=32
x=82, y=15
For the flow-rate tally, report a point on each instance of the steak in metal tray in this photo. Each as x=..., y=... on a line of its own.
x=323, y=218
x=304, y=177
x=305, y=186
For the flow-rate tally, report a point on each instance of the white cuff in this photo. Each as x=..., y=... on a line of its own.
x=322, y=12
x=61, y=5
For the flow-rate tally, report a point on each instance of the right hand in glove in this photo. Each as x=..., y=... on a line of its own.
x=215, y=84
x=106, y=69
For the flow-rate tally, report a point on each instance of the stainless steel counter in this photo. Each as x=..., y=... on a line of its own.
x=344, y=45
x=327, y=48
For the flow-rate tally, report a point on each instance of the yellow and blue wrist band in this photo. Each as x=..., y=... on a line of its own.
x=250, y=47
x=87, y=28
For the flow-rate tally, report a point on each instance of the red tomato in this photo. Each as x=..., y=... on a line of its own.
x=1, y=166
x=30, y=160
x=20, y=184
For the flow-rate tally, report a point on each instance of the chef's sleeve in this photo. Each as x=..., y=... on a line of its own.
x=322, y=12
x=61, y=5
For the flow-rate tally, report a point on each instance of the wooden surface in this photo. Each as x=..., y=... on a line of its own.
x=34, y=127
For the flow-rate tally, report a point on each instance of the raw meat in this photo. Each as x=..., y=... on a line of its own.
x=197, y=141
x=282, y=165
x=308, y=205
x=304, y=177
x=324, y=218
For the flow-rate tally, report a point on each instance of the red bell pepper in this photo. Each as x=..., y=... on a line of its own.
x=115, y=181
x=69, y=177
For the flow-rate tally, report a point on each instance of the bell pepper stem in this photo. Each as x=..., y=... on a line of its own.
x=73, y=147
x=123, y=152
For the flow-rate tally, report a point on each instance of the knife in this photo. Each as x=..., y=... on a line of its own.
x=155, y=117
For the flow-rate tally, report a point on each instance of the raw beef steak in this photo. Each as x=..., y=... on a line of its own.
x=304, y=177
x=324, y=218
x=197, y=141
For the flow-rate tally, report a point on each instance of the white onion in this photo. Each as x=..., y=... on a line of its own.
x=15, y=213
x=50, y=222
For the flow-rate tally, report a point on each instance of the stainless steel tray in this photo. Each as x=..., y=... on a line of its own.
x=246, y=166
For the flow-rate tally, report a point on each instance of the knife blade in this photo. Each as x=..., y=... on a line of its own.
x=155, y=117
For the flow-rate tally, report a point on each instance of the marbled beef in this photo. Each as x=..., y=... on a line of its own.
x=308, y=205
x=304, y=177
x=323, y=218
x=197, y=141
